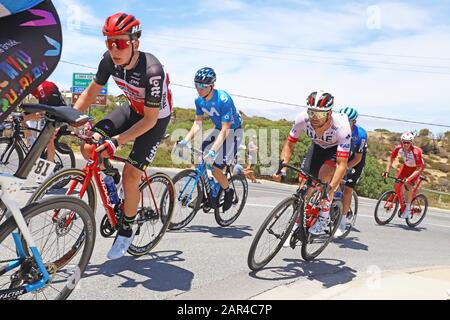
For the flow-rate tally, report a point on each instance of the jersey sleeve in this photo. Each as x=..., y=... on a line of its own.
x=198, y=108
x=297, y=128
x=344, y=142
x=104, y=70
x=226, y=109
x=395, y=152
x=154, y=90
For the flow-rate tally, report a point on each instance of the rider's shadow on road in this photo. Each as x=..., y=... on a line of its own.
x=405, y=227
x=156, y=268
x=351, y=243
x=233, y=232
x=330, y=272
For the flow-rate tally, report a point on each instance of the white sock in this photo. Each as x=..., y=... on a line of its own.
x=408, y=207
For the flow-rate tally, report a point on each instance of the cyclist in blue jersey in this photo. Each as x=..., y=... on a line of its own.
x=356, y=163
x=30, y=49
x=223, y=143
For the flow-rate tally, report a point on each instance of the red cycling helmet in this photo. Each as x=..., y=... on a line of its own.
x=122, y=24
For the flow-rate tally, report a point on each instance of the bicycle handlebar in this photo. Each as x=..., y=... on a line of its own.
x=324, y=185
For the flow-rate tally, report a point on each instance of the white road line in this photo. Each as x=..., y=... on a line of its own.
x=359, y=215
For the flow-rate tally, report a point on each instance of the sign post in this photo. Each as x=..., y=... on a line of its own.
x=80, y=82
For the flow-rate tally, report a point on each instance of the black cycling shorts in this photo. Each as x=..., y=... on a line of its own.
x=30, y=48
x=352, y=179
x=145, y=146
x=316, y=157
x=230, y=146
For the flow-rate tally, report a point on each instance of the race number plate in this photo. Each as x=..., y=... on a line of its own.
x=42, y=169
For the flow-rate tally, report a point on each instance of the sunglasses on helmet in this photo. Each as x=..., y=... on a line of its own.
x=201, y=85
x=119, y=44
x=317, y=114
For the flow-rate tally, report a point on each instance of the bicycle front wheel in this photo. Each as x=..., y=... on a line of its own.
x=154, y=213
x=63, y=229
x=273, y=233
x=419, y=207
x=386, y=208
x=240, y=186
x=188, y=198
x=71, y=178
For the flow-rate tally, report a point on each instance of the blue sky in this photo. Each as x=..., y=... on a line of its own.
x=363, y=52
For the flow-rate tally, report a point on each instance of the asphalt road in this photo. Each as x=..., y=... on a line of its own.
x=205, y=261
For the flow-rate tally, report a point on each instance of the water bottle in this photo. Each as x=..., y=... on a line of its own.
x=215, y=187
x=111, y=188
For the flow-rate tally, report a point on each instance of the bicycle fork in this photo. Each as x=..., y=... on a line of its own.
x=10, y=185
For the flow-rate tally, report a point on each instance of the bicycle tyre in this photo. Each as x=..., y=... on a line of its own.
x=87, y=237
x=425, y=200
x=221, y=216
x=166, y=203
x=378, y=218
x=63, y=175
x=177, y=225
x=283, y=205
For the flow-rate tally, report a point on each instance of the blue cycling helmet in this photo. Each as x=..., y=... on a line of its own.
x=205, y=75
x=350, y=112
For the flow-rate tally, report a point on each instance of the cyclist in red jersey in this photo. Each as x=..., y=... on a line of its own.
x=410, y=170
x=48, y=93
x=143, y=120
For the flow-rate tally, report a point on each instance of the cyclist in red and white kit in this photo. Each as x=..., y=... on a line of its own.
x=411, y=169
x=328, y=155
x=143, y=120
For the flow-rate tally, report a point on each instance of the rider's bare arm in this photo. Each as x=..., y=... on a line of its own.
x=354, y=162
x=88, y=96
x=223, y=134
x=196, y=127
x=142, y=126
x=389, y=164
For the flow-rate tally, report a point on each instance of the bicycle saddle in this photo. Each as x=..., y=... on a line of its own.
x=63, y=113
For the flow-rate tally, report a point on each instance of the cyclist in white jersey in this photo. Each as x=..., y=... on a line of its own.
x=328, y=155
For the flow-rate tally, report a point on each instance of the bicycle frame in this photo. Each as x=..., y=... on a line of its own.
x=201, y=174
x=10, y=185
x=399, y=196
x=92, y=171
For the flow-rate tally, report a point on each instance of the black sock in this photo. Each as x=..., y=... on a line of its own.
x=126, y=229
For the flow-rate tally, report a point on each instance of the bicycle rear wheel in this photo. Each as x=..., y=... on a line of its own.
x=63, y=229
x=240, y=186
x=63, y=160
x=313, y=245
x=11, y=156
x=419, y=207
x=386, y=208
x=351, y=216
x=154, y=213
x=273, y=233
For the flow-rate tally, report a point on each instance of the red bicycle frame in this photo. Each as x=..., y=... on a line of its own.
x=92, y=171
x=399, y=196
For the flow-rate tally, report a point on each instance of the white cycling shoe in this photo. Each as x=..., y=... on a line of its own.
x=406, y=214
x=342, y=227
x=320, y=225
x=120, y=247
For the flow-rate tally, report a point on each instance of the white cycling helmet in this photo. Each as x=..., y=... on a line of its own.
x=320, y=101
x=407, y=136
